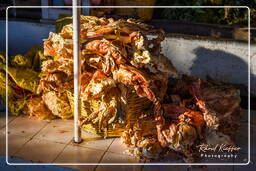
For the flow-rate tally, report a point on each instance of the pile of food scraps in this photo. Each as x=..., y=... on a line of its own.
x=128, y=89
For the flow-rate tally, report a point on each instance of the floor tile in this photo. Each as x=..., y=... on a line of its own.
x=2, y=142
x=117, y=146
x=110, y=157
x=94, y=141
x=26, y=126
x=3, y=119
x=44, y=147
x=15, y=142
x=38, y=150
x=78, y=154
x=57, y=131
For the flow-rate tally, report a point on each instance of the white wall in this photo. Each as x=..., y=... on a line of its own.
x=225, y=61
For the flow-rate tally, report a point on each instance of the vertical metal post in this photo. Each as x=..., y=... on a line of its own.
x=77, y=69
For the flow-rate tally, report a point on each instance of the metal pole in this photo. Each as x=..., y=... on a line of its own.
x=77, y=68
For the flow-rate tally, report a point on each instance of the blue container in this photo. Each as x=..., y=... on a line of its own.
x=2, y=106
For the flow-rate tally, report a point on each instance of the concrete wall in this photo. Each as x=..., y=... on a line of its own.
x=225, y=61
x=221, y=60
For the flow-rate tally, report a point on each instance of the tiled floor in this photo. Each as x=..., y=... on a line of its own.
x=40, y=150
x=60, y=131
x=51, y=141
x=77, y=154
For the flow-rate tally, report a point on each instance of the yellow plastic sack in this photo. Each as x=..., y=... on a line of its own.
x=23, y=72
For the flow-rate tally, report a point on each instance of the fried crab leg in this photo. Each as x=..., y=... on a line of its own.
x=111, y=54
x=120, y=26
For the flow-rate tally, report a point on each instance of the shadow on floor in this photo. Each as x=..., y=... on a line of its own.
x=226, y=67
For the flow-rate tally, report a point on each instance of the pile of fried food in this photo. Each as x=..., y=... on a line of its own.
x=128, y=89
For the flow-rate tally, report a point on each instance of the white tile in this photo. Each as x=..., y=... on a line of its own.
x=94, y=141
x=25, y=126
x=38, y=150
x=2, y=119
x=2, y=142
x=117, y=146
x=78, y=154
x=3, y=131
x=110, y=157
x=57, y=131
x=15, y=142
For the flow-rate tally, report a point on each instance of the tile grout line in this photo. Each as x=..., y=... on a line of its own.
x=91, y=148
x=61, y=151
x=50, y=141
x=70, y=143
x=104, y=154
x=31, y=138
x=4, y=126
